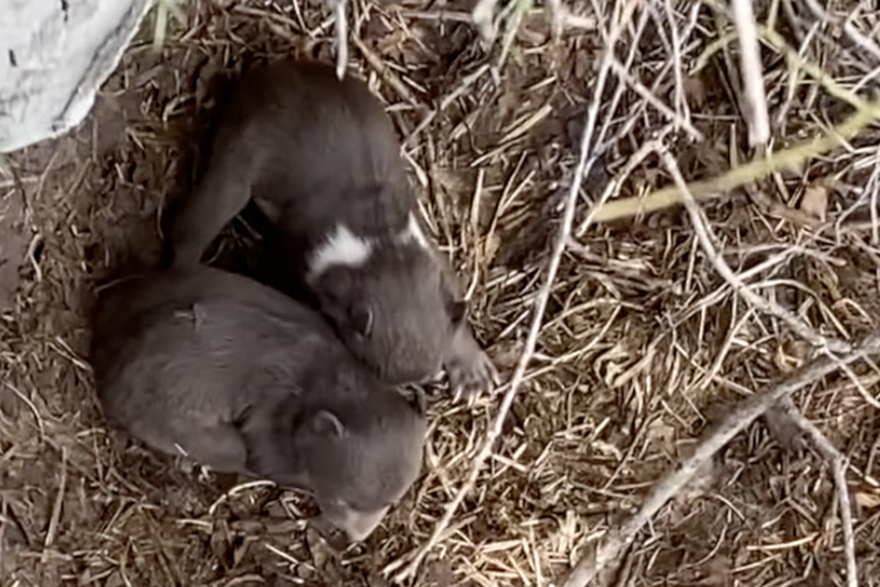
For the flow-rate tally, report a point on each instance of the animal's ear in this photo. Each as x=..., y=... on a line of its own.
x=417, y=400
x=360, y=318
x=335, y=284
x=333, y=289
x=327, y=424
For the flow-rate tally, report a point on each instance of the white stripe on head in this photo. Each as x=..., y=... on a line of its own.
x=342, y=247
x=413, y=232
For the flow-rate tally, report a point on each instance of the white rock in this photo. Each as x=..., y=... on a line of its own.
x=54, y=56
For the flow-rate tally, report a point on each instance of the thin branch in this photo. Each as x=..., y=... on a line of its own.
x=874, y=403
x=483, y=16
x=387, y=75
x=752, y=73
x=676, y=478
x=55, y=519
x=341, y=37
x=792, y=158
x=563, y=236
x=645, y=93
x=759, y=302
x=838, y=466
x=857, y=37
x=681, y=103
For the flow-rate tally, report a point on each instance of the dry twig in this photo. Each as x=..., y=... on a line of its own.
x=752, y=72
x=341, y=8
x=385, y=72
x=791, y=158
x=676, y=479
x=837, y=461
x=563, y=236
x=838, y=466
x=52, y=532
x=483, y=16
x=767, y=306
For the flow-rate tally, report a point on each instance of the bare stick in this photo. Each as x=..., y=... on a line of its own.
x=676, y=478
x=483, y=14
x=56, y=508
x=562, y=238
x=385, y=73
x=554, y=10
x=341, y=38
x=791, y=158
x=861, y=388
x=462, y=87
x=750, y=297
x=752, y=73
x=858, y=38
x=645, y=93
x=838, y=466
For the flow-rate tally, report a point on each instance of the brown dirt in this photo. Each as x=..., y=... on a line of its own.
x=618, y=388
x=13, y=247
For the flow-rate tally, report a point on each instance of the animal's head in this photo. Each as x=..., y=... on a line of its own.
x=397, y=312
x=362, y=456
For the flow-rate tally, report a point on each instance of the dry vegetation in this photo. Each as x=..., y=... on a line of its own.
x=655, y=325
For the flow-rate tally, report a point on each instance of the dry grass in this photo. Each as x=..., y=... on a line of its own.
x=643, y=343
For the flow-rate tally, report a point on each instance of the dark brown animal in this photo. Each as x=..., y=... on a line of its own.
x=321, y=160
x=243, y=379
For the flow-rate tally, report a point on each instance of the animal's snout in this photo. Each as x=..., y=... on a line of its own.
x=411, y=366
x=358, y=525
x=410, y=376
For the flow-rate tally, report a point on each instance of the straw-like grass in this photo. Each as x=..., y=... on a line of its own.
x=660, y=315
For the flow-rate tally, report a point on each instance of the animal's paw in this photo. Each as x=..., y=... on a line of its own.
x=471, y=375
x=191, y=468
x=323, y=537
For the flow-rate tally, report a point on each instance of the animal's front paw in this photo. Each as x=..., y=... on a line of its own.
x=191, y=468
x=471, y=375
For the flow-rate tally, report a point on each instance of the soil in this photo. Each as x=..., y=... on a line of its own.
x=617, y=391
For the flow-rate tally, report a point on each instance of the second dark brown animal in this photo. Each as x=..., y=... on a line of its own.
x=241, y=378
x=321, y=160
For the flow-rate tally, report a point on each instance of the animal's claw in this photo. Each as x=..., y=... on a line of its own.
x=471, y=376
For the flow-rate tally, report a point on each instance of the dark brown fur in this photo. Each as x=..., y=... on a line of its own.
x=315, y=153
x=246, y=380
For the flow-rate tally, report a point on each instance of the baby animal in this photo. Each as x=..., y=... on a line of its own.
x=242, y=378
x=321, y=160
